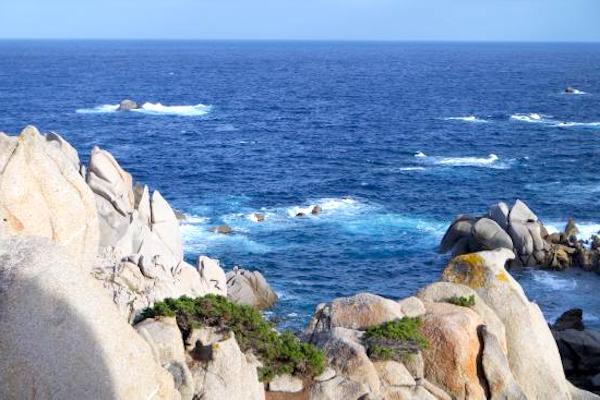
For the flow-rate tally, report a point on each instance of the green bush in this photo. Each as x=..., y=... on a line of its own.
x=280, y=353
x=394, y=340
x=462, y=301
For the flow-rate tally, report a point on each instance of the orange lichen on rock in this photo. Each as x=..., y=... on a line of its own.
x=467, y=269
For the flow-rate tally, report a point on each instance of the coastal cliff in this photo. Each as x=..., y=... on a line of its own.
x=98, y=302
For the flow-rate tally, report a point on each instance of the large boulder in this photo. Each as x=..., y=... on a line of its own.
x=532, y=353
x=43, y=194
x=164, y=337
x=488, y=235
x=128, y=105
x=221, y=371
x=62, y=337
x=452, y=355
x=356, y=312
x=249, y=288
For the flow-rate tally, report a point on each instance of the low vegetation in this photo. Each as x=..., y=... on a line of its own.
x=279, y=353
x=462, y=301
x=394, y=340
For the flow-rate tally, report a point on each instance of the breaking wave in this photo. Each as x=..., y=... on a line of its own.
x=550, y=121
x=491, y=161
x=469, y=118
x=152, y=109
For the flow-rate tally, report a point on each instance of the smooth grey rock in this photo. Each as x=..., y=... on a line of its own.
x=128, y=105
x=286, y=384
x=499, y=213
x=338, y=388
x=250, y=288
x=458, y=230
x=490, y=236
x=521, y=213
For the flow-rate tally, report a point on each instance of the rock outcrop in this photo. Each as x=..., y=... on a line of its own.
x=43, y=194
x=519, y=229
x=249, y=288
x=61, y=337
x=141, y=243
x=128, y=105
x=579, y=349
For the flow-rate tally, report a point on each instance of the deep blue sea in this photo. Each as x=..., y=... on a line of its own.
x=391, y=139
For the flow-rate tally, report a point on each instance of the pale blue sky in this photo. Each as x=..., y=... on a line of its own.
x=499, y=20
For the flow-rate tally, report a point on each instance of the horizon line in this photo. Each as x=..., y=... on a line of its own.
x=325, y=40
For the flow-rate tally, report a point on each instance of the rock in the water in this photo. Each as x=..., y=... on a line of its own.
x=43, y=194
x=571, y=230
x=570, y=319
x=223, y=229
x=62, y=337
x=488, y=235
x=316, y=210
x=250, y=288
x=458, y=232
x=532, y=353
x=257, y=217
x=128, y=105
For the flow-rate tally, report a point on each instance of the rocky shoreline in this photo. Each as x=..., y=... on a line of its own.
x=97, y=302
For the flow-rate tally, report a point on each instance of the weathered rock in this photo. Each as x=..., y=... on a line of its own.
x=257, y=217
x=356, y=312
x=249, y=288
x=326, y=375
x=348, y=357
x=539, y=373
x=226, y=373
x=444, y=291
x=165, y=340
x=488, y=235
x=570, y=319
x=459, y=230
x=521, y=213
x=412, y=307
x=580, y=350
x=498, y=377
x=393, y=373
x=438, y=393
x=338, y=388
x=62, y=337
x=286, y=384
x=571, y=230
x=113, y=189
x=222, y=229
x=499, y=213
x=452, y=354
x=166, y=225
x=42, y=194
x=316, y=210
x=128, y=105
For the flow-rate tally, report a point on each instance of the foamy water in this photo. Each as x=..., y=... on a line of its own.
x=152, y=109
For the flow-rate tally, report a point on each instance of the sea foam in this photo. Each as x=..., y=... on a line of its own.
x=469, y=118
x=152, y=109
x=491, y=161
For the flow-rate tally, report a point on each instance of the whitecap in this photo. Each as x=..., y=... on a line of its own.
x=328, y=205
x=586, y=229
x=578, y=124
x=469, y=118
x=574, y=92
x=531, y=117
x=420, y=154
x=411, y=169
x=491, y=161
x=152, y=109
x=553, y=281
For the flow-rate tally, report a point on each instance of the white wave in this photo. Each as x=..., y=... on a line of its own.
x=152, y=109
x=578, y=124
x=328, y=205
x=531, y=117
x=553, y=281
x=574, y=92
x=411, y=169
x=469, y=118
x=491, y=161
x=586, y=229
x=420, y=154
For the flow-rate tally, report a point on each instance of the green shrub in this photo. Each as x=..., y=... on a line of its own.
x=462, y=301
x=394, y=339
x=280, y=353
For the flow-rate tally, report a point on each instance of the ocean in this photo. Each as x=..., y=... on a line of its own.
x=392, y=140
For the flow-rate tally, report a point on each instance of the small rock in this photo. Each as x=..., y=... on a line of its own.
x=179, y=215
x=223, y=229
x=128, y=105
x=571, y=230
x=300, y=214
x=257, y=217
x=316, y=210
x=570, y=90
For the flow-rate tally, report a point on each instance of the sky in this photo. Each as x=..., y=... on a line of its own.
x=454, y=20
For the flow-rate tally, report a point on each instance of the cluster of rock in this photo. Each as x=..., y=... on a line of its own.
x=579, y=349
x=520, y=230
x=128, y=105
x=83, y=250
x=500, y=348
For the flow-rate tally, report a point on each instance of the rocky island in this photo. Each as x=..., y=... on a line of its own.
x=98, y=302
